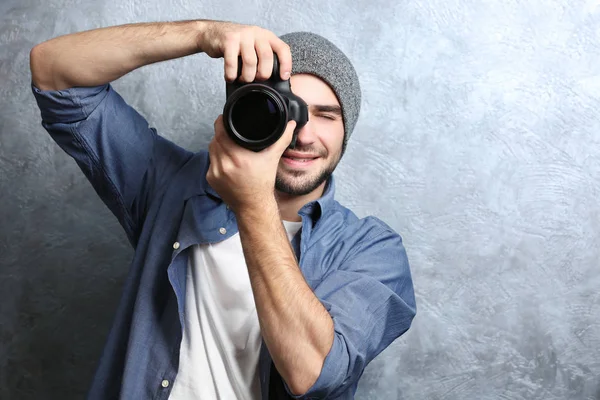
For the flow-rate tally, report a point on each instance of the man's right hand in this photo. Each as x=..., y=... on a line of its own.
x=256, y=46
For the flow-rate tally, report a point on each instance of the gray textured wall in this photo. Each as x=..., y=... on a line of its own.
x=478, y=142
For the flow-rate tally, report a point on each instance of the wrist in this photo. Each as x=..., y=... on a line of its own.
x=266, y=208
x=201, y=27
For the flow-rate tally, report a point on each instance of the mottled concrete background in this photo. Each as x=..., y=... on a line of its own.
x=478, y=142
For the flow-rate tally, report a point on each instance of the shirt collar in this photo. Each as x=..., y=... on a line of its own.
x=315, y=209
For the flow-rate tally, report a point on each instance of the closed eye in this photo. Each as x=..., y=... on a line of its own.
x=328, y=111
x=330, y=117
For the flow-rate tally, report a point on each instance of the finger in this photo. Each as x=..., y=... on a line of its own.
x=284, y=141
x=284, y=54
x=249, y=59
x=212, y=157
x=289, y=130
x=221, y=134
x=219, y=126
x=223, y=159
x=265, y=59
x=219, y=158
x=230, y=55
x=226, y=144
x=214, y=151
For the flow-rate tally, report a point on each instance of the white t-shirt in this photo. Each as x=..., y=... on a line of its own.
x=221, y=340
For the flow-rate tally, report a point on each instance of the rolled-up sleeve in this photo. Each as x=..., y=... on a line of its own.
x=124, y=159
x=371, y=301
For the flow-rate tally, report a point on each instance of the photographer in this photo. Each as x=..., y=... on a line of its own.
x=249, y=280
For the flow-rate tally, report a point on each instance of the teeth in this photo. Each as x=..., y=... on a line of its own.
x=299, y=159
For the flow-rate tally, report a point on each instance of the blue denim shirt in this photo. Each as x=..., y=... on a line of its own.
x=157, y=190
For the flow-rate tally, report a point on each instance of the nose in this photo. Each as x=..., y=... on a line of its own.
x=306, y=135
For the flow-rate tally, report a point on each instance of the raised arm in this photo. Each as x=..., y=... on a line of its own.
x=127, y=162
x=99, y=56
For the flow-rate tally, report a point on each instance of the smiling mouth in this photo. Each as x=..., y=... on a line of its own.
x=298, y=162
x=301, y=159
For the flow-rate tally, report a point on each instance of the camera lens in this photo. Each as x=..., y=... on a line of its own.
x=255, y=116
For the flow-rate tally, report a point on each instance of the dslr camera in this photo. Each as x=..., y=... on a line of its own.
x=256, y=114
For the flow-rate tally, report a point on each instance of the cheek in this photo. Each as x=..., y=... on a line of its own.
x=332, y=136
x=333, y=144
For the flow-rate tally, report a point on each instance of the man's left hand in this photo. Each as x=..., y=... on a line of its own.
x=244, y=178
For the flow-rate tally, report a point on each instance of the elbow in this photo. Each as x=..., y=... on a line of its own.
x=42, y=71
x=330, y=376
x=303, y=379
x=300, y=383
x=38, y=67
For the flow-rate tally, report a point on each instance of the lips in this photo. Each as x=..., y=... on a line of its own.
x=298, y=159
x=299, y=156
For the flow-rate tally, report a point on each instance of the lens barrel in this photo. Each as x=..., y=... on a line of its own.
x=255, y=116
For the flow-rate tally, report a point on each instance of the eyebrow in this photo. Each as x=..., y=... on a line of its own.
x=330, y=108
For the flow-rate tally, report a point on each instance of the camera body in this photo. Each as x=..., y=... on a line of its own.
x=256, y=113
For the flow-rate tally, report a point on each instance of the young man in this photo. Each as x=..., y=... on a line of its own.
x=249, y=280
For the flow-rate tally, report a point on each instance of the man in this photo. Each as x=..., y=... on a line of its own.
x=249, y=280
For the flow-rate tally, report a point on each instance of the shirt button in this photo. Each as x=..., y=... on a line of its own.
x=222, y=231
x=175, y=246
x=165, y=383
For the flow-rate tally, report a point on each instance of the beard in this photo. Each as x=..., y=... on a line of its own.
x=300, y=183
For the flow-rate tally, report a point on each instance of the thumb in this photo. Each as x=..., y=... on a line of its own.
x=285, y=139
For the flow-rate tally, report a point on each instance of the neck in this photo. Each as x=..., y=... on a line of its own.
x=289, y=205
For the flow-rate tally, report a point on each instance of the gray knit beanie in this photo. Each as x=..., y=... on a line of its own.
x=313, y=54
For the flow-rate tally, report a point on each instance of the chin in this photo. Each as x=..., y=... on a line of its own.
x=300, y=184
